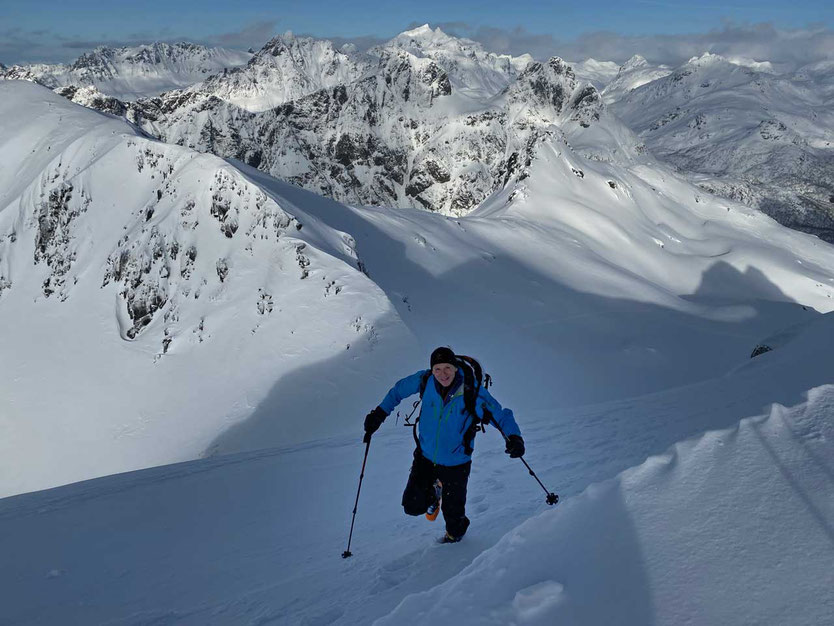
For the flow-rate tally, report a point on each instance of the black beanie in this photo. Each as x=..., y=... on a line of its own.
x=443, y=354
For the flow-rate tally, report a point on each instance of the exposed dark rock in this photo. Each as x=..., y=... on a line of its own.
x=760, y=349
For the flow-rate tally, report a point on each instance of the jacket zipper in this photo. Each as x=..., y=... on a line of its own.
x=443, y=410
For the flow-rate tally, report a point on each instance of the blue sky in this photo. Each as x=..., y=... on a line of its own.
x=61, y=30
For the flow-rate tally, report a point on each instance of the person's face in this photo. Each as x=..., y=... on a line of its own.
x=444, y=373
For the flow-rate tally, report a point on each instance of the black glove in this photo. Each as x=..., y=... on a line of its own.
x=515, y=446
x=373, y=421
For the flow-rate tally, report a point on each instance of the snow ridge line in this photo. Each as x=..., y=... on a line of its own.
x=783, y=433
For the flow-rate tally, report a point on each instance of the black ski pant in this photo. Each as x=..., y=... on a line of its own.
x=419, y=491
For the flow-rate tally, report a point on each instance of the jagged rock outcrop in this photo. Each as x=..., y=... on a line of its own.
x=401, y=135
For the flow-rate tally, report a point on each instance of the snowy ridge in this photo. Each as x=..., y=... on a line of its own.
x=133, y=72
x=699, y=534
x=183, y=263
x=598, y=73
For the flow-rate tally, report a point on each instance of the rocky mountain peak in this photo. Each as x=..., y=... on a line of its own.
x=286, y=68
x=471, y=69
x=707, y=59
x=421, y=35
x=286, y=43
x=549, y=83
x=413, y=78
x=633, y=63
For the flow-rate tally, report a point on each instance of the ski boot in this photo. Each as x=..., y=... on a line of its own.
x=447, y=538
x=434, y=507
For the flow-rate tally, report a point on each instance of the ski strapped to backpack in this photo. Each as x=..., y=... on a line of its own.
x=473, y=379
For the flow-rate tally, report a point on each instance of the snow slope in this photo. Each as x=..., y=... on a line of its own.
x=129, y=269
x=731, y=525
x=610, y=280
x=735, y=526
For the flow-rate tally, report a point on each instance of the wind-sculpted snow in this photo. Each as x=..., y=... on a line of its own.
x=727, y=519
x=131, y=268
x=735, y=526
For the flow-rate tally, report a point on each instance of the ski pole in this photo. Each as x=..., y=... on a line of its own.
x=551, y=498
x=367, y=440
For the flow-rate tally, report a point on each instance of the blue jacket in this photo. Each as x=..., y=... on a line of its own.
x=443, y=424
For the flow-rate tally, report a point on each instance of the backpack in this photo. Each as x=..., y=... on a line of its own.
x=473, y=379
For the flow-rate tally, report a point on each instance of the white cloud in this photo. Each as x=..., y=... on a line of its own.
x=761, y=42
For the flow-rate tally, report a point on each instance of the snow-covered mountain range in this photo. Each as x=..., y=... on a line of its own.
x=409, y=132
x=141, y=256
x=322, y=118
x=741, y=130
x=666, y=351
x=133, y=72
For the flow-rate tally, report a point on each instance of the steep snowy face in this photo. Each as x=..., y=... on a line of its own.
x=472, y=70
x=134, y=72
x=639, y=217
x=286, y=68
x=136, y=268
x=764, y=139
x=632, y=74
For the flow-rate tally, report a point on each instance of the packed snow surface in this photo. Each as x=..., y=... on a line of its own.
x=728, y=520
x=151, y=296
